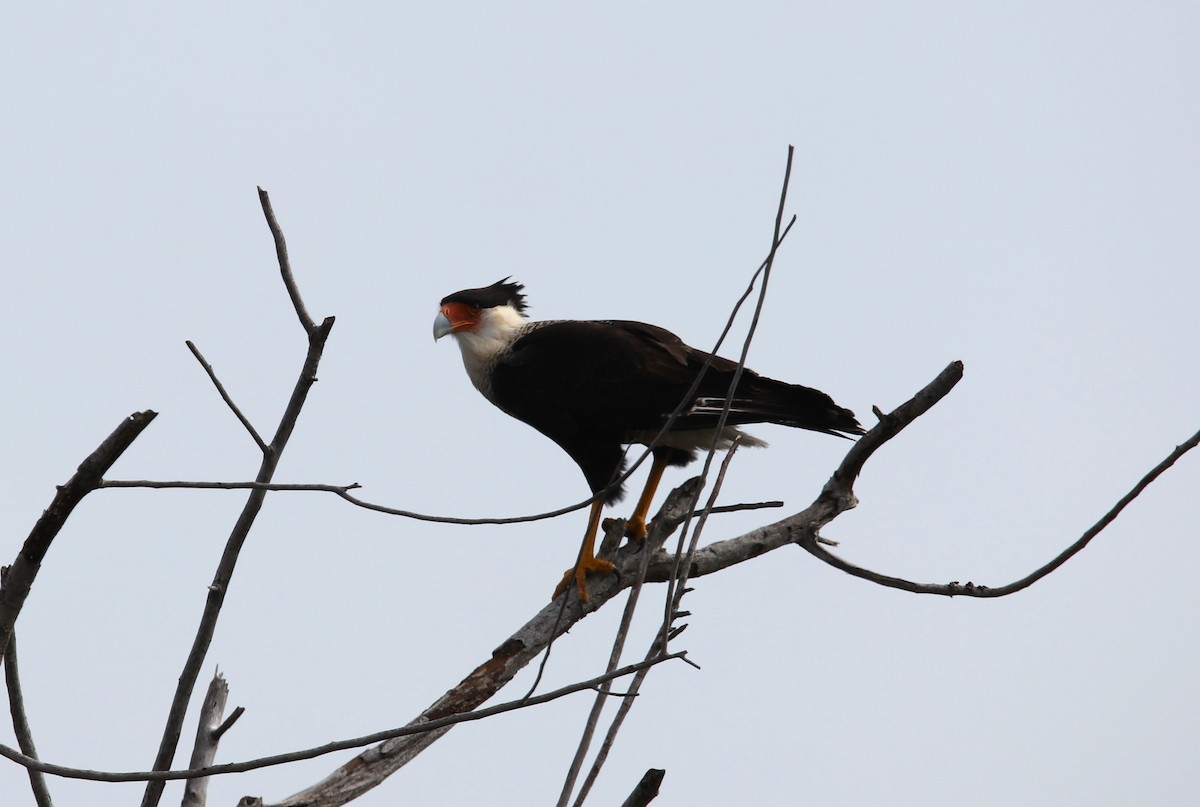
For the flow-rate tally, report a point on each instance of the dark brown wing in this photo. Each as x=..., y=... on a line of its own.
x=589, y=385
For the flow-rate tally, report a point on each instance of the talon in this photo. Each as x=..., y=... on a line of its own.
x=578, y=576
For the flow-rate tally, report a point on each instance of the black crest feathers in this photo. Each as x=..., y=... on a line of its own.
x=502, y=292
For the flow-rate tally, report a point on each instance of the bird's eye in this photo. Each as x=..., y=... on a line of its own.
x=474, y=309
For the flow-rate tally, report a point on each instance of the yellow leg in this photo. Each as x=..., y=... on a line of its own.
x=635, y=528
x=588, y=562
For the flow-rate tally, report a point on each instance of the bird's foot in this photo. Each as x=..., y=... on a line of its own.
x=579, y=574
x=635, y=528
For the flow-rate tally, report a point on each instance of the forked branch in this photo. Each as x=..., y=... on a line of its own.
x=317, y=335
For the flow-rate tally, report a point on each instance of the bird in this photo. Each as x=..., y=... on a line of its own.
x=597, y=386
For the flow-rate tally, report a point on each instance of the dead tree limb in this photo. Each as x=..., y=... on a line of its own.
x=209, y=729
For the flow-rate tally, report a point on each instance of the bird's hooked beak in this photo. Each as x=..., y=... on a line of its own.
x=455, y=317
x=441, y=325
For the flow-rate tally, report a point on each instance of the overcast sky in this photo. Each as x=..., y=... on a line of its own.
x=1002, y=183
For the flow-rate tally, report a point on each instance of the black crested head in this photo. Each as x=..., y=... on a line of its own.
x=502, y=292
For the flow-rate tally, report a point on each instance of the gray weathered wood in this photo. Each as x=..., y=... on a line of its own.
x=204, y=752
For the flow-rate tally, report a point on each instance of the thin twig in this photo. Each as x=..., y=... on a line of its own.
x=343, y=492
x=680, y=579
x=285, y=264
x=212, y=376
x=735, y=508
x=227, y=724
x=416, y=728
x=20, y=721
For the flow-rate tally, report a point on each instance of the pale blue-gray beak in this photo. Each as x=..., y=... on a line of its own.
x=441, y=326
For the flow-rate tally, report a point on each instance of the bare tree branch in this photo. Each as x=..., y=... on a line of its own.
x=317, y=335
x=212, y=376
x=204, y=751
x=24, y=569
x=20, y=721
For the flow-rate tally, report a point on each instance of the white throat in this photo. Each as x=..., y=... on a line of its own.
x=483, y=345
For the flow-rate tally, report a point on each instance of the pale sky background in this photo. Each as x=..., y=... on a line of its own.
x=1008, y=184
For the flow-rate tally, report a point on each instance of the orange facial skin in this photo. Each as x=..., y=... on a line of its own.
x=462, y=317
